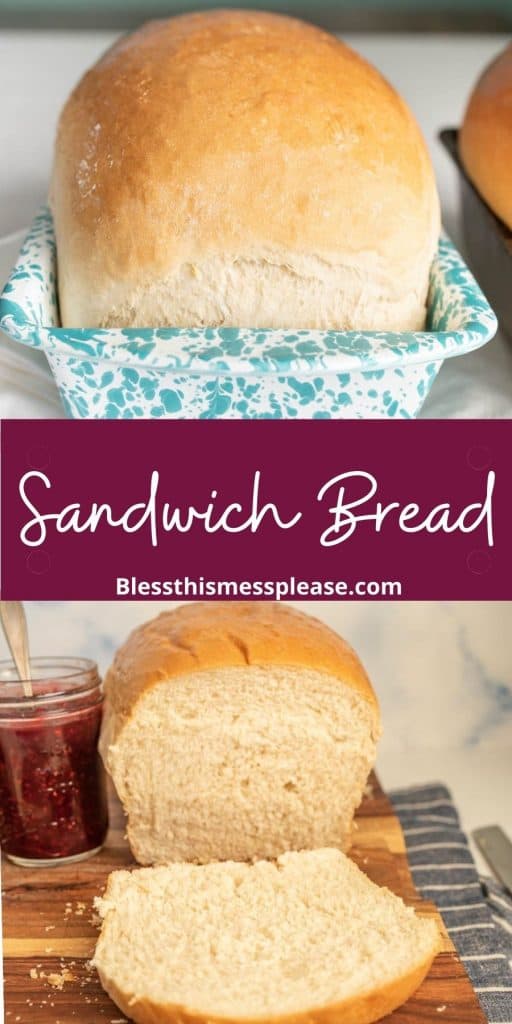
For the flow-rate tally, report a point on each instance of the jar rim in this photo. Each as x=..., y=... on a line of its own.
x=75, y=677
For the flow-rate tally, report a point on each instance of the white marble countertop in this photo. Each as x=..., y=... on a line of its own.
x=442, y=672
x=38, y=69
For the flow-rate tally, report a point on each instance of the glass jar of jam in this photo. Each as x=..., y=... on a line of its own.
x=53, y=805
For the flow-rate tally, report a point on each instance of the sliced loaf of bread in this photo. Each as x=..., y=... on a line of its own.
x=308, y=939
x=237, y=731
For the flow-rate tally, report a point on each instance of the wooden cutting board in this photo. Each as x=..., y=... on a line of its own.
x=49, y=931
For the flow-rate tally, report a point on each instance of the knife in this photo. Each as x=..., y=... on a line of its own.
x=496, y=847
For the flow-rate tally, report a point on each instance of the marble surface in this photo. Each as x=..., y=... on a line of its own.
x=38, y=69
x=442, y=672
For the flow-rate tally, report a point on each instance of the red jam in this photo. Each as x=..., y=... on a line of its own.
x=52, y=786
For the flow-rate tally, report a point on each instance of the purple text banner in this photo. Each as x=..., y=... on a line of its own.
x=239, y=510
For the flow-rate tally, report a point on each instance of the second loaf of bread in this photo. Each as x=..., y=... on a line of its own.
x=485, y=138
x=237, y=731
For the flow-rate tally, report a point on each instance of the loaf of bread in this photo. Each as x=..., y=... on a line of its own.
x=236, y=731
x=485, y=138
x=243, y=169
x=307, y=940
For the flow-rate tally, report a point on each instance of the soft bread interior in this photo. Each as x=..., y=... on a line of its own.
x=270, y=292
x=297, y=937
x=241, y=763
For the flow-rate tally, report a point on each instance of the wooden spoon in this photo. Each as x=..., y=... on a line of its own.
x=14, y=625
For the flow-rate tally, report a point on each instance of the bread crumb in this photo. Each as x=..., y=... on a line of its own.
x=50, y=928
x=441, y=1009
x=57, y=980
x=33, y=973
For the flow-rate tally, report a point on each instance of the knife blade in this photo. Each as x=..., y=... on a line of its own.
x=496, y=847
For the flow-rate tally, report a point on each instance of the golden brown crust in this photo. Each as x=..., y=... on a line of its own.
x=485, y=138
x=365, y=1009
x=209, y=635
x=239, y=133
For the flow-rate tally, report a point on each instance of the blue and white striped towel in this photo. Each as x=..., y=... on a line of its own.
x=477, y=912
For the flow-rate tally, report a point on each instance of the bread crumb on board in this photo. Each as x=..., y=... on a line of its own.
x=441, y=1009
x=56, y=980
x=59, y=980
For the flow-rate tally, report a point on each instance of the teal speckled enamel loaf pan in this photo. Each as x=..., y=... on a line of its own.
x=242, y=373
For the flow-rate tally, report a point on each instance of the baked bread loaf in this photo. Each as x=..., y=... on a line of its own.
x=243, y=169
x=307, y=940
x=236, y=731
x=485, y=138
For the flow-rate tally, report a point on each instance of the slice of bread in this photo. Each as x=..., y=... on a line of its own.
x=237, y=731
x=306, y=939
